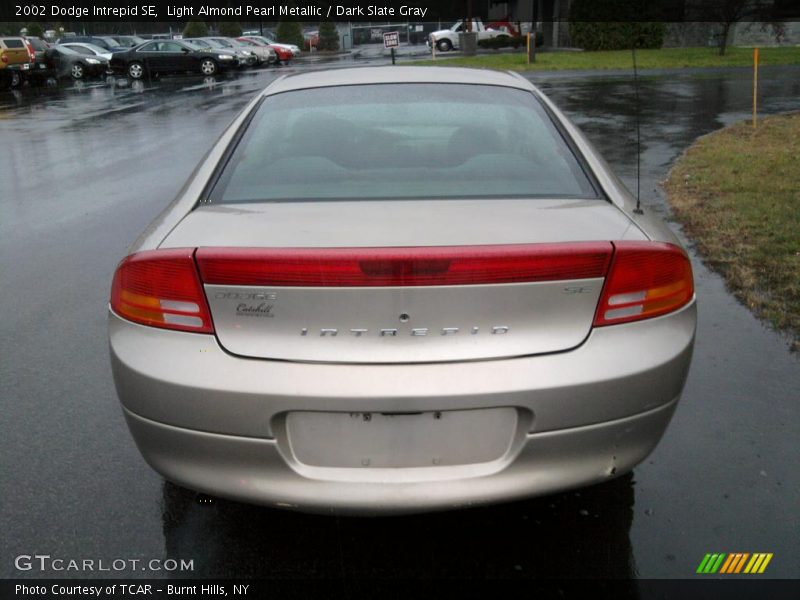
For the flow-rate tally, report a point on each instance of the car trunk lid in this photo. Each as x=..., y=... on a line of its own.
x=389, y=282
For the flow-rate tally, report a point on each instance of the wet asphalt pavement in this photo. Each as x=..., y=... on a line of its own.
x=84, y=169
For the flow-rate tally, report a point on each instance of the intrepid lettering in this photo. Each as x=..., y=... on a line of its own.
x=415, y=332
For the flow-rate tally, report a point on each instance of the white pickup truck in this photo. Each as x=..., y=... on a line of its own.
x=447, y=39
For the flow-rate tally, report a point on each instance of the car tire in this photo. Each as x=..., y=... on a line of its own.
x=208, y=67
x=77, y=71
x=136, y=70
x=444, y=45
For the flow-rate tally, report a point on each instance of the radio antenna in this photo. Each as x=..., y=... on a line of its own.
x=638, y=210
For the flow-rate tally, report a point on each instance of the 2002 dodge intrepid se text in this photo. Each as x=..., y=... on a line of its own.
x=397, y=289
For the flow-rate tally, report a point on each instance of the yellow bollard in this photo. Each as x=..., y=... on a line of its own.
x=755, y=87
x=528, y=47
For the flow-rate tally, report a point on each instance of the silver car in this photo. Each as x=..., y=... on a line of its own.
x=87, y=49
x=400, y=289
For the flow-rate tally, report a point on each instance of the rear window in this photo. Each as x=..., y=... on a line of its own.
x=401, y=141
x=13, y=43
x=64, y=50
x=38, y=44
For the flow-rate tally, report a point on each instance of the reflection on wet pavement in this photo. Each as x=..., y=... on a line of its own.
x=578, y=534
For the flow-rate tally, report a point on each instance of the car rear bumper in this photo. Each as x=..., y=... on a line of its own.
x=21, y=67
x=218, y=423
x=260, y=471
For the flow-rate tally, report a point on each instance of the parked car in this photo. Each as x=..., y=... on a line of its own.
x=66, y=62
x=245, y=57
x=87, y=49
x=170, y=56
x=128, y=41
x=16, y=58
x=265, y=54
x=199, y=44
x=38, y=45
x=39, y=67
x=282, y=54
x=272, y=43
x=430, y=293
x=104, y=41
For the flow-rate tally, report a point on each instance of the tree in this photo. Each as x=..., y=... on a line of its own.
x=328, y=36
x=195, y=29
x=728, y=13
x=227, y=29
x=290, y=32
x=615, y=24
x=9, y=28
x=35, y=30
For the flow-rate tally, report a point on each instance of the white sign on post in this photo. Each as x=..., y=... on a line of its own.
x=391, y=39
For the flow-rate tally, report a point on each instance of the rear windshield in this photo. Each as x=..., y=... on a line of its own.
x=12, y=43
x=81, y=49
x=64, y=50
x=401, y=141
x=38, y=44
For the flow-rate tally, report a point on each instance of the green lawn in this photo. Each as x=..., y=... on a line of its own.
x=736, y=192
x=665, y=58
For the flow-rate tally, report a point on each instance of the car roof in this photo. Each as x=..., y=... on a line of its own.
x=161, y=41
x=84, y=44
x=394, y=74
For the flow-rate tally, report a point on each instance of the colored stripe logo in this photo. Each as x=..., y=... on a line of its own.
x=734, y=563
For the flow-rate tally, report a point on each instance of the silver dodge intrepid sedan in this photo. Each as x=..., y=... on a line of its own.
x=400, y=289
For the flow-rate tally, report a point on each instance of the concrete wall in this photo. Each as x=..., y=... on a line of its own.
x=742, y=34
x=679, y=35
x=755, y=34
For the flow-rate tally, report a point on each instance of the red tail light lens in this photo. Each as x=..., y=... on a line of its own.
x=647, y=279
x=390, y=267
x=161, y=288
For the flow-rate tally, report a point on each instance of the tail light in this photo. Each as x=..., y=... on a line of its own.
x=4, y=57
x=647, y=279
x=412, y=266
x=164, y=288
x=161, y=288
x=31, y=51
